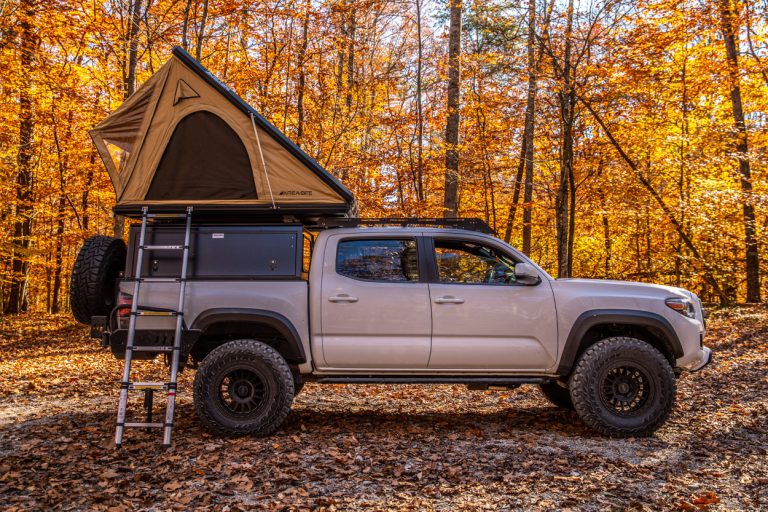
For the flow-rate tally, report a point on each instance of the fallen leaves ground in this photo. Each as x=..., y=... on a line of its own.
x=378, y=447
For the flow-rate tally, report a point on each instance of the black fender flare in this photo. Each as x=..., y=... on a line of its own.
x=294, y=349
x=576, y=343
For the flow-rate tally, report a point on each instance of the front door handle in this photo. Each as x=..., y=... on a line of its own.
x=342, y=298
x=449, y=300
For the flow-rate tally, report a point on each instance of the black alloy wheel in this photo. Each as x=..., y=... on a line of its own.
x=623, y=387
x=243, y=387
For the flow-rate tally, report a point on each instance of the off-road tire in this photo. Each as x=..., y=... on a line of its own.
x=267, y=385
x=557, y=394
x=92, y=288
x=611, y=366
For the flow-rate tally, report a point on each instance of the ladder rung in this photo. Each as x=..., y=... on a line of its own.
x=155, y=348
x=147, y=385
x=144, y=425
x=162, y=247
x=157, y=313
x=160, y=279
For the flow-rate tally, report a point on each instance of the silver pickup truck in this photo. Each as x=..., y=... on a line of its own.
x=269, y=307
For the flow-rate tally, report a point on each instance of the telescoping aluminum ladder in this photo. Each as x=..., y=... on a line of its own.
x=149, y=388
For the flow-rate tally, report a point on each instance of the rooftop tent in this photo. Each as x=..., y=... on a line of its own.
x=184, y=138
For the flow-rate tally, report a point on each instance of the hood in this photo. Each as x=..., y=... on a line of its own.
x=598, y=287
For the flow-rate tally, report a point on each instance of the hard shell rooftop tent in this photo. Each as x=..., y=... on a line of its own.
x=184, y=138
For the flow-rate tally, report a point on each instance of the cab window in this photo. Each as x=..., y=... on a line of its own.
x=378, y=260
x=466, y=262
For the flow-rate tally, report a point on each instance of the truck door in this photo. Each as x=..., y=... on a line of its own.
x=482, y=318
x=375, y=308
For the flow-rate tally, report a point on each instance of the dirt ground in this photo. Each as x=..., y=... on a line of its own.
x=378, y=447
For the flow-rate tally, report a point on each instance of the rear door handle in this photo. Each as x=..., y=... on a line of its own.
x=342, y=298
x=449, y=300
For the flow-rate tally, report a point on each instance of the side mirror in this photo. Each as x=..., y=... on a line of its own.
x=525, y=273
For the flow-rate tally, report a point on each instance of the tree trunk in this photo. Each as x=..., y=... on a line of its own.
x=351, y=59
x=571, y=213
x=185, y=26
x=302, y=72
x=515, y=195
x=63, y=165
x=526, y=148
x=530, y=120
x=59, y=254
x=419, y=110
x=566, y=152
x=752, y=259
x=201, y=32
x=22, y=227
x=133, y=48
x=451, y=201
x=130, y=82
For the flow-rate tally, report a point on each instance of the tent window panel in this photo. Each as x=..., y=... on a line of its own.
x=119, y=152
x=205, y=159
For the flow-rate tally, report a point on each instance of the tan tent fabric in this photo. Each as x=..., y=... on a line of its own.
x=133, y=140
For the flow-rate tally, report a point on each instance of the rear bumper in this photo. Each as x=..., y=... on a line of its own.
x=703, y=359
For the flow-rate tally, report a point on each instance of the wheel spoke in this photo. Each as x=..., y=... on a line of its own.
x=625, y=389
x=242, y=392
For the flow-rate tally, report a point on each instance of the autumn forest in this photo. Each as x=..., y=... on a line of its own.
x=605, y=138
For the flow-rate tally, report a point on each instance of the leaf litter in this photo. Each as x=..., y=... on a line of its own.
x=346, y=447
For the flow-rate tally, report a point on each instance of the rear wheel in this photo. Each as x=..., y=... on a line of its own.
x=92, y=289
x=557, y=394
x=623, y=387
x=243, y=387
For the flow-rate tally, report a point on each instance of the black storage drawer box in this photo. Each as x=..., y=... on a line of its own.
x=220, y=251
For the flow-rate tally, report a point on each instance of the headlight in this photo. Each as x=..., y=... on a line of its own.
x=682, y=306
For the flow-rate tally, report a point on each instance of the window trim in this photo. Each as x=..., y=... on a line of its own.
x=434, y=273
x=420, y=258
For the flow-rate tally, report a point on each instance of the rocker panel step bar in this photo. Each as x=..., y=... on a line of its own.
x=431, y=379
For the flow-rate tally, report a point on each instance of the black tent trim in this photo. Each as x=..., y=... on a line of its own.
x=265, y=125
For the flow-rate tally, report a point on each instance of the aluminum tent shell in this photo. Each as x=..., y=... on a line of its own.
x=184, y=138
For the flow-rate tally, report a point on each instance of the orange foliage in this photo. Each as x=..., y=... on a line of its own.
x=655, y=70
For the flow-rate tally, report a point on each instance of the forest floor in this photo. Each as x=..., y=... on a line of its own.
x=378, y=447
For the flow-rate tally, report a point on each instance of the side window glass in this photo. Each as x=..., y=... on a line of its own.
x=471, y=263
x=378, y=260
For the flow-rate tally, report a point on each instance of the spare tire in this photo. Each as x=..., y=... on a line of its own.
x=92, y=290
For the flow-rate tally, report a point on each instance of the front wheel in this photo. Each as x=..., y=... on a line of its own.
x=623, y=387
x=243, y=387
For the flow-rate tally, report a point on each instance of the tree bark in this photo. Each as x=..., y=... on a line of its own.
x=22, y=227
x=201, y=32
x=133, y=48
x=451, y=200
x=185, y=26
x=530, y=120
x=752, y=256
x=526, y=149
x=419, y=110
x=130, y=82
x=302, y=72
x=63, y=165
x=567, y=112
x=515, y=194
x=351, y=59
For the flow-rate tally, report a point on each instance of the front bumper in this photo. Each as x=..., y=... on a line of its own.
x=703, y=359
